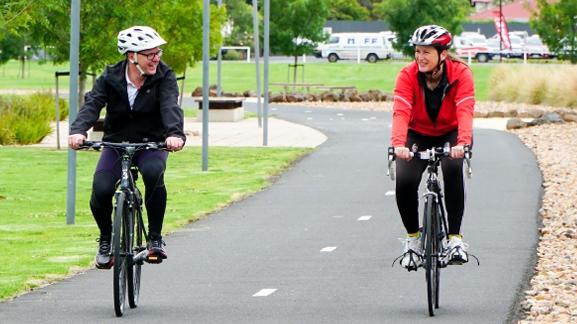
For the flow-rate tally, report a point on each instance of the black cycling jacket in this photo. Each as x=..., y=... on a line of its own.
x=155, y=116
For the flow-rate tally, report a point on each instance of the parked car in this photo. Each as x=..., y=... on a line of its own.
x=566, y=50
x=516, y=49
x=496, y=49
x=475, y=38
x=349, y=46
x=465, y=48
x=391, y=38
x=535, y=48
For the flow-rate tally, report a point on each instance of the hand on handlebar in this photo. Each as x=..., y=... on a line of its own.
x=75, y=141
x=457, y=152
x=403, y=153
x=174, y=143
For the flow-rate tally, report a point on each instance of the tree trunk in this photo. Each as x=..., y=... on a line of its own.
x=295, y=69
x=81, y=88
x=23, y=66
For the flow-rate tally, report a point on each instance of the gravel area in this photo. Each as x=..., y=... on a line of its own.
x=551, y=296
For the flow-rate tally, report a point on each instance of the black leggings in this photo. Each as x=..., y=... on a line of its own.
x=409, y=174
x=151, y=165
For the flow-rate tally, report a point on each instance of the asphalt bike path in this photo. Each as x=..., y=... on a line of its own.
x=317, y=246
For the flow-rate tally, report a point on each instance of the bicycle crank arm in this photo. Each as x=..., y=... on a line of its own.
x=140, y=257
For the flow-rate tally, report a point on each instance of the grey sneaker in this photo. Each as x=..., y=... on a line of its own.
x=103, y=258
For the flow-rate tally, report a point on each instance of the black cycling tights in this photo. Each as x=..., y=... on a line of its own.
x=151, y=165
x=409, y=174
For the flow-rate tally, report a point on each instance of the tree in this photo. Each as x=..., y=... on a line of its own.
x=13, y=46
x=178, y=21
x=405, y=16
x=296, y=26
x=370, y=5
x=14, y=15
x=240, y=19
x=556, y=23
x=347, y=10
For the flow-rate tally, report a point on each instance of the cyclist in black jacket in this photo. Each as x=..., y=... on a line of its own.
x=140, y=94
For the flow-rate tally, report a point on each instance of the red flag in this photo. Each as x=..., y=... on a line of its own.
x=502, y=30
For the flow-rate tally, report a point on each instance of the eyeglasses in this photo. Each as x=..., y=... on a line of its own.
x=150, y=56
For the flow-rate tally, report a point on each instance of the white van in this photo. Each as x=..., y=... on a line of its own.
x=355, y=46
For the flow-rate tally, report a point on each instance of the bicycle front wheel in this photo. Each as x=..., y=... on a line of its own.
x=431, y=228
x=119, y=245
x=136, y=268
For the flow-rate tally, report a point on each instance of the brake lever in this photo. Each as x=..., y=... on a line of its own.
x=391, y=169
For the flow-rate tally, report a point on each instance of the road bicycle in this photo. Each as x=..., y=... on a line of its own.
x=129, y=236
x=434, y=223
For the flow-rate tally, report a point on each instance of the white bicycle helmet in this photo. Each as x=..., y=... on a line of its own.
x=138, y=38
x=432, y=35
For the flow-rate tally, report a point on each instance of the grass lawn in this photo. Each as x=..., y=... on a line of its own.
x=38, y=246
x=240, y=76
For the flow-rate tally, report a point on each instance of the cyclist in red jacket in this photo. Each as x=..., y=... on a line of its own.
x=434, y=100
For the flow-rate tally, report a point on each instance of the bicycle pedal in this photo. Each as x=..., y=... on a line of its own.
x=153, y=259
x=457, y=262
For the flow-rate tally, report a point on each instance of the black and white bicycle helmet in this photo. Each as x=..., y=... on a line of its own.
x=432, y=35
x=138, y=38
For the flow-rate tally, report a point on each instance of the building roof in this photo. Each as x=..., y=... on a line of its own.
x=519, y=10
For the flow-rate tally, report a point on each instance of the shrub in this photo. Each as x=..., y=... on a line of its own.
x=535, y=85
x=26, y=119
x=232, y=55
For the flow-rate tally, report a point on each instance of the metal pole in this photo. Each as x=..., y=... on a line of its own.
x=266, y=56
x=205, y=76
x=73, y=104
x=218, y=65
x=57, y=103
x=256, y=60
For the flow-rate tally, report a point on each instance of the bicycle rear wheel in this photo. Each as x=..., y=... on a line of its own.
x=136, y=269
x=119, y=245
x=431, y=254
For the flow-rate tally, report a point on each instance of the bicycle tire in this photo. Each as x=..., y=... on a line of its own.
x=136, y=269
x=439, y=234
x=431, y=268
x=119, y=252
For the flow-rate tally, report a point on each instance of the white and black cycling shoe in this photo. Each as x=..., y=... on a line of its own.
x=412, y=257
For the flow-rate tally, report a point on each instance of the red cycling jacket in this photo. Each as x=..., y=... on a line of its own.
x=456, y=112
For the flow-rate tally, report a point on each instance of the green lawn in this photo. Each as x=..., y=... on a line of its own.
x=38, y=246
x=240, y=76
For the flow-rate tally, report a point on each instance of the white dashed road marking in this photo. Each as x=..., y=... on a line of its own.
x=329, y=249
x=364, y=218
x=265, y=292
x=390, y=193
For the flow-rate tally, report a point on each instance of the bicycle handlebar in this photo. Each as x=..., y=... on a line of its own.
x=432, y=154
x=97, y=145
